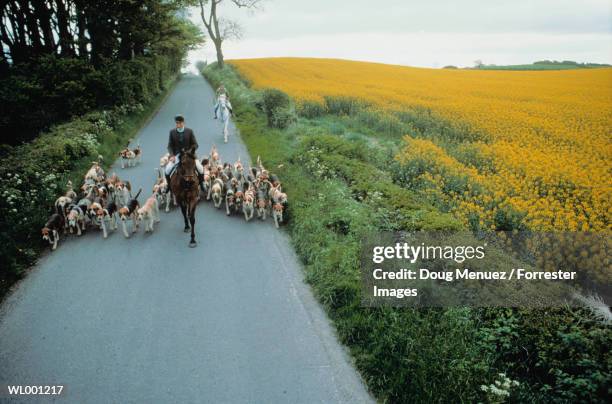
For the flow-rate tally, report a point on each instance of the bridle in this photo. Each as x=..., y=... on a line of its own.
x=187, y=181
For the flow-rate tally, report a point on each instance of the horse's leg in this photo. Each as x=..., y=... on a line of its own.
x=225, y=129
x=184, y=212
x=167, y=200
x=192, y=210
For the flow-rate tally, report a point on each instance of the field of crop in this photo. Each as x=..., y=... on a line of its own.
x=537, y=149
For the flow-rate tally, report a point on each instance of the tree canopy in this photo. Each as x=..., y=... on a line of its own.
x=61, y=58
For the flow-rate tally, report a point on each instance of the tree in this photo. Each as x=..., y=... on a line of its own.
x=478, y=64
x=220, y=29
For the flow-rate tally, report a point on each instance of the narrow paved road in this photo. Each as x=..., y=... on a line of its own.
x=149, y=320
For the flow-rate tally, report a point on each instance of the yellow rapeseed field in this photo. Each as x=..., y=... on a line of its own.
x=546, y=135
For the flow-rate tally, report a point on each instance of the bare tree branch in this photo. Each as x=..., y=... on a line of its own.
x=230, y=29
x=247, y=3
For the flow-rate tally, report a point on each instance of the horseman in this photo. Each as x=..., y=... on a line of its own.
x=222, y=99
x=181, y=138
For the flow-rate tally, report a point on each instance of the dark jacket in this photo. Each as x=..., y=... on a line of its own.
x=174, y=141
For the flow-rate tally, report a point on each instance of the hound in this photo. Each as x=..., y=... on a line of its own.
x=207, y=181
x=85, y=202
x=70, y=191
x=149, y=213
x=248, y=207
x=123, y=193
x=129, y=211
x=274, y=180
x=131, y=157
x=238, y=167
x=52, y=228
x=97, y=213
x=95, y=173
x=214, y=156
x=76, y=219
x=229, y=196
x=111, y=186
x=238, y=196
x=160, y=189
x=110, y=213
x=216, y=191
x=61, y=204
x=215, y=172
x=164, y=160
x=262, y=204
x=279, y=200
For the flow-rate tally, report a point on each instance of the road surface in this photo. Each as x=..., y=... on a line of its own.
x=149, y=320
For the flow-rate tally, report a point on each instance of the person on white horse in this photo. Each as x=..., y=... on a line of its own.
x=181, y=138
x=220, y=90
x=224, y=106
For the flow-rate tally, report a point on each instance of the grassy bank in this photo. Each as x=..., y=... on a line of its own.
x=34, y=174
x=337, y=164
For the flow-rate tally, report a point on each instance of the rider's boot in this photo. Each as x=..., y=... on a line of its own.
x=167, y=182
x=201, y=181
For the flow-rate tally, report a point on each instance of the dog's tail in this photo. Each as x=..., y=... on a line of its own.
x=138, y=193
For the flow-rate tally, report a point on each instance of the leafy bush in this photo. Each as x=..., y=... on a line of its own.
x=339, y=105
x=273, y=100
x=311, y=109
x=282, y=118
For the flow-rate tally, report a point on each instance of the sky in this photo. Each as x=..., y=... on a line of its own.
x=431, y=33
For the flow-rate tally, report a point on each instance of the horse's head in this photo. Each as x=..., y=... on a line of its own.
x=187, y=168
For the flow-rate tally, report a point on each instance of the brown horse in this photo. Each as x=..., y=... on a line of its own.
x=184, y=185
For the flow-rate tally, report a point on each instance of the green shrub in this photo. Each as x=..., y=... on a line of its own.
x=283, y=117
x=273, y=100
x=339, y=105
x=311, y=109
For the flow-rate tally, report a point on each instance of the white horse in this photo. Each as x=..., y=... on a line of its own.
x=225, y=109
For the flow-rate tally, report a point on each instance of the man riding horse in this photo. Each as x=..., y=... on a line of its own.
x=182, y=138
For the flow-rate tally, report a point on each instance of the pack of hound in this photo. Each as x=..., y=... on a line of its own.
x=247, y=192
x=104, y=203
x=107, y=202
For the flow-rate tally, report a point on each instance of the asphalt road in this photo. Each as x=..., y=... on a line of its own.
x=149, y=320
